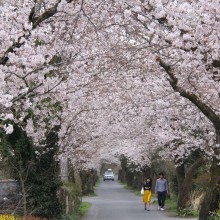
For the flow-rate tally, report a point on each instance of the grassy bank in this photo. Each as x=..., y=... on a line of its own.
x=83, y=209
x=171, y=209
x=171, y=205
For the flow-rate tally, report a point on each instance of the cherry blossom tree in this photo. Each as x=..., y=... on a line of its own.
x=118, y=77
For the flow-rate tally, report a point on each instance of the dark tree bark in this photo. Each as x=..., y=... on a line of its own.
x=180, y=172
x=185, y=184
x=215, y=206
x=210, y=192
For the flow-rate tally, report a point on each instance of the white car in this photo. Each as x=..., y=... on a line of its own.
x=108, y=175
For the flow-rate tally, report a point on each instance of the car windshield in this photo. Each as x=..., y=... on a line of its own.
x=109, y=173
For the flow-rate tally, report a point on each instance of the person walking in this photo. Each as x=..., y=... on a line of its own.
x=147, y=193
x=161, y=188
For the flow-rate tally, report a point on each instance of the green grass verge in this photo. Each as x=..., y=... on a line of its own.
x=137, y=192
x=125, y=185
x=83, y=209
x=98, y=182
x=171, y=204
x=90, y=195
x=171, y=208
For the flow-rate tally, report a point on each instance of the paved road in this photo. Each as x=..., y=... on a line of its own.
x=113, y=202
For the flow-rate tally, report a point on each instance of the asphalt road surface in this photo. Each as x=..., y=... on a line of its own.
x=113, y=202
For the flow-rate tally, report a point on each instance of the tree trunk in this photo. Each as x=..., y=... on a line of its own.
x=214, y=173
x=180, y=172
x=121, y=176
x=184, y=187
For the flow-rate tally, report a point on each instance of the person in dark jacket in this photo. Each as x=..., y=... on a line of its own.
x=147, y=193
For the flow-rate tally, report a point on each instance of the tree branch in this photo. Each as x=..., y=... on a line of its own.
x=35, y=22
x=203, y=107
x=47, y=14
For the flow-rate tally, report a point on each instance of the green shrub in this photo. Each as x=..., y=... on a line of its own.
x=73, y=191
x=89, y=179
x=38, y=174
x=187, y=213
x=171, y=203
x=214, y=216
x=82, y=210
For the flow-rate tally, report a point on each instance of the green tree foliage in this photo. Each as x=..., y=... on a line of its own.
x=44, y=181
x=17, y=152
x=89, y=179
x=36, y=169
x=132, y=174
